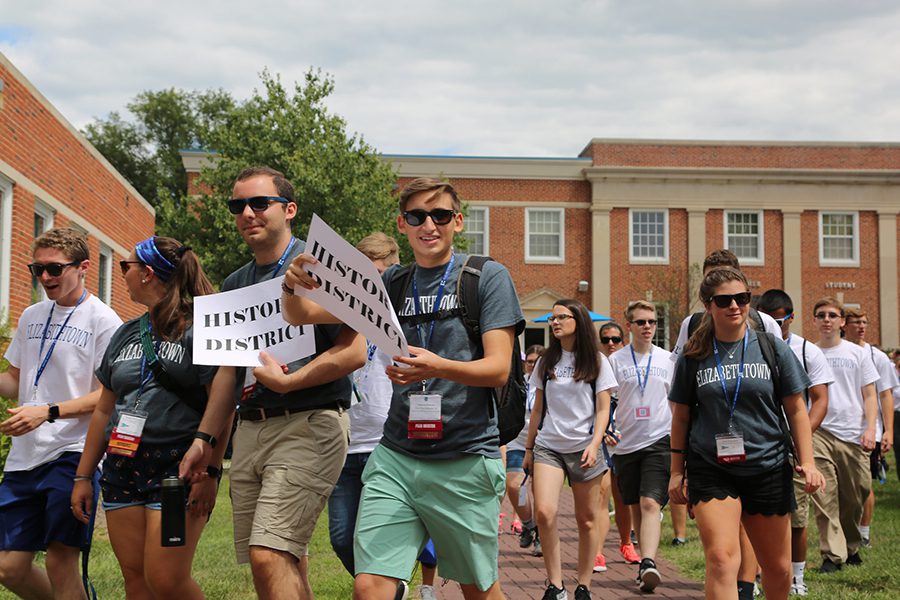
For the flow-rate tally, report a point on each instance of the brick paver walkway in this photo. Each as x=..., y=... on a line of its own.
x=522, y=575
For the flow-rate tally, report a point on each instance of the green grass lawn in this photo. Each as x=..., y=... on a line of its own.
x=877, y=579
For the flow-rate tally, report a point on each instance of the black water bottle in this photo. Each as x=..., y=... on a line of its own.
x=173, y=512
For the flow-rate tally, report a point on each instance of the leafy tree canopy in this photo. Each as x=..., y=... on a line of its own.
x=335, y=174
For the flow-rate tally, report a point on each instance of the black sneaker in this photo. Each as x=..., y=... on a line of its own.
x=854, y=560
x=536, y=550
x=526, y=538
x=829, y=566
x=402, y=590
x=554, y=593
x=648, y=575
x=678, y=542
x=633, y=537
x=582, y=593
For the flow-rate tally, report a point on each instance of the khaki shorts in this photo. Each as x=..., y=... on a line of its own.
x=283, y=470
x=800, y=517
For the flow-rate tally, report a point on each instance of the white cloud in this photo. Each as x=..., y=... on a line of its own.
x=522, y=78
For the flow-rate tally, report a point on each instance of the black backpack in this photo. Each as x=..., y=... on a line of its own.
x=509, y=399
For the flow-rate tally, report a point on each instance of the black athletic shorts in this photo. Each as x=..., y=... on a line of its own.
x=645, y=473
x=768, y=493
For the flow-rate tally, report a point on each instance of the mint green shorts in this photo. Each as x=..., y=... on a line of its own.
x=455, y=501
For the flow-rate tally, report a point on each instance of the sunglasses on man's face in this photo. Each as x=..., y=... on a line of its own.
x=615, y=339
x=829, y=315
x=439, y=216
x=783, y=319
x=53, y=269
x=257, y=203
x=642, y=322
x=725, y=300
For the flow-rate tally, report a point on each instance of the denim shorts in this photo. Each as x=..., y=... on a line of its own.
x=514, y=460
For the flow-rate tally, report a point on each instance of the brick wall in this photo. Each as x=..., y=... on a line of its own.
x=60, y=164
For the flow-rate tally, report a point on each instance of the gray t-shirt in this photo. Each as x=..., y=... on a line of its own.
x=329, y=394
x=469, y=424
x=757, y=414
x=169, y=419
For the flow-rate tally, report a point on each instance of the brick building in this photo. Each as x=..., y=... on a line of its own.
x=630, y=219
x=627, y=219
x=51, y=176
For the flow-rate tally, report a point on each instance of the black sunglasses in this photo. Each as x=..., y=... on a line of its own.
x=124, y=264
x=54, y=269
x=614, y=339
x=725, y=300
x=642, y=322
x=257, y=203
x=439, y=216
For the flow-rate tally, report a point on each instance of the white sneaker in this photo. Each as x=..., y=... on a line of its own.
x=426, y=592
x=798, y=589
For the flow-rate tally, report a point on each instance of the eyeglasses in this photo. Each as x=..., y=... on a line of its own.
x=828, y=315
x=559, y=318
x=615, y=339
x=124, y=264
x=783, y=319
x=725, y=300
x=257, y=203
x=53, y=269
x=439, y=216
x=642, y=322
x=529, y=361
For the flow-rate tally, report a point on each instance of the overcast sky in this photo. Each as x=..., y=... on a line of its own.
x=491, y=77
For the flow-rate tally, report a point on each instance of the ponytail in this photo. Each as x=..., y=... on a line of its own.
x=173, y=314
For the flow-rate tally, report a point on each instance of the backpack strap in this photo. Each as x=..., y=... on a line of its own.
x=757, y=320
x=694, y=323
x=767, y=346
x=467, y=295
x=397, y=286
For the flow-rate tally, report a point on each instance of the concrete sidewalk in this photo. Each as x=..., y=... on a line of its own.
x=522, y=576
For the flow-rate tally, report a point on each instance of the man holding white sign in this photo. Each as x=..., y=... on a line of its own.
x=437, y=469
x=291, y=438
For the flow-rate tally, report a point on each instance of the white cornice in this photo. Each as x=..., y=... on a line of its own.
x=728, y=175
x=488, y=168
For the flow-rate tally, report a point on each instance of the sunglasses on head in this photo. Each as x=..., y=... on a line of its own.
x=830, y=315
x=54, y=269
x=257, y=203
x=642, y=322
x=783, y=319
x=615, y=339
x=725, y=300
x=439, y=216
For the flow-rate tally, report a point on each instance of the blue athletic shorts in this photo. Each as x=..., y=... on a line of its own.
x=514, y=460
x=35, y=507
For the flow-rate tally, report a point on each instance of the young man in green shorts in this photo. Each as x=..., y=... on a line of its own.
x=448, y=481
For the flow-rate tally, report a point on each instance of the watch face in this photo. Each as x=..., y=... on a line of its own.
x=53, y=413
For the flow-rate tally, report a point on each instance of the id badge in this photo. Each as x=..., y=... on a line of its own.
x=730, y=447
x=425, y=417
x=249, y=385
x=126, y=435
x=641, y=413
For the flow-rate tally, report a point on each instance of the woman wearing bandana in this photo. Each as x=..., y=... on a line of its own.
x=150, y=407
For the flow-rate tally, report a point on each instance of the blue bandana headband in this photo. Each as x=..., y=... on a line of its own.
x=148, y=254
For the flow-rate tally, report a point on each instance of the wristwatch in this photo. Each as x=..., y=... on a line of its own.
x=209, y=439
x=52, y=413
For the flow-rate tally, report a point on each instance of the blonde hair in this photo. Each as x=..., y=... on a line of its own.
x=67, y=240
x=638, y=305
x=380, y=246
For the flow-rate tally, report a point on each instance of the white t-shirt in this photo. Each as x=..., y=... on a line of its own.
x=853, y=370
x=69, y=373
x=522, y=438
x=371, y=402
x=887, y=380
x=643, y=419
x=768, y=322
x=570, y=410
x=817, y=368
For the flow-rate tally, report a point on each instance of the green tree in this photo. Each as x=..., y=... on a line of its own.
x=335, y=174
x=145, y=149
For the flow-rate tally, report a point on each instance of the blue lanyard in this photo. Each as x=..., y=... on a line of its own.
x=278, y=265
x=437, y=301
x=40, y=371
x=637, y=369
x=721, y=371
x=146, y=345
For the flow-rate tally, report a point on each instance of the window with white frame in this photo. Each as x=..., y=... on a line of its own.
x=545, y=235
x=476, y=231
x=43, y=221
x=744, y=235
x=104, y=284
x=6, y=187
x=649, y=235
x=661, y=335
x=839, y=238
